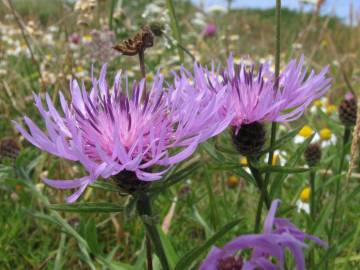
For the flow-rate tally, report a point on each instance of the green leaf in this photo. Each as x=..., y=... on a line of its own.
x=230, y=151
x=332, y=252
x=277, y=184
x=282, y=140
x=105, y=186
x=322, y=219
x=175, y=177
x=87, y=207
x=59, y=261
x=91, y=236
x=282, y=169
x=188, y=259
x=112, y=265
x=171, y=254
x=197, y=217
x=210, y=149
x=235, y=168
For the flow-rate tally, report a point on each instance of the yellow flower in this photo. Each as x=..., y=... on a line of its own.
x=79, y=69
x=87, y=38
x=306, y=131
x=276, y=159
x=305, y=195
x=237, y=60
x=325, y=134
x=243, y=161
x=330, y=109
x=48, y=57
x=232, y=181
x=149, y=77
x=318, y=103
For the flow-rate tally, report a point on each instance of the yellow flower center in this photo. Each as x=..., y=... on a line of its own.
x=318, y=103
x=306, y=131
x=79, y=69
x=305, y=195
x=276, y=159
x=330, y=109
x=232, y=181
x=149, y=77
x=243, y=161
x=325, y=134
x=87, y=38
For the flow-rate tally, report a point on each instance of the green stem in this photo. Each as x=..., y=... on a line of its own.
x=276, y=86
x=180, y=46
x=258, y=213
x=142, y=70
x=111, y=15
x=278, y=39
x=264, y=196
x=338, y=181
x=149, y=253
x=144, y=209
x=175, y=28
x=312, y=194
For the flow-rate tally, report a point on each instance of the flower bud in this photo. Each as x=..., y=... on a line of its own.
x=347, y=110
x=232, y=181
x=312, y=154
x=9, y=148
x=128, y=182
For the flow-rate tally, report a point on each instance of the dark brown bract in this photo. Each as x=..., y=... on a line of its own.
x=312, y=154
x=250, y=139
x=347, y=111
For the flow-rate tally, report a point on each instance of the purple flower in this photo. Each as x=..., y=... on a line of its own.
x=209, y=30
x=110, y=131
x=278, y=235
x=255, y=99
x=74, y=38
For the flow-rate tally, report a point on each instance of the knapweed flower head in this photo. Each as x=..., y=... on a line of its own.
x=110, y=131
x=348, y=110
x=256, y=99
x=209, y=30
x=267, y=249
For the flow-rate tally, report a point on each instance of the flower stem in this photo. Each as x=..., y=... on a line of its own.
x=111, y=14
x=180, y=46
x=338, y=181
x=142, y=69
x=149, y=253
x=145, y=211
x=312, y=194
x=142, y=63
x=276, y=86
x=175, y=28
x=264, y=196
x=278, y=39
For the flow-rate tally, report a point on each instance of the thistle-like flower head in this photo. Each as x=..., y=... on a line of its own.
x=255, y=97
x=110, y=131
x=267, y=249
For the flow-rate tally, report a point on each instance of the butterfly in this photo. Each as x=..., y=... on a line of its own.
x=132, y=46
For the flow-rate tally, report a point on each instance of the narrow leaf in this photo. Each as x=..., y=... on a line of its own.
x=87, y=207
x=188, y=259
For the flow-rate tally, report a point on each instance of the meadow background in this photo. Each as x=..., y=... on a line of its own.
x=45, y=43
